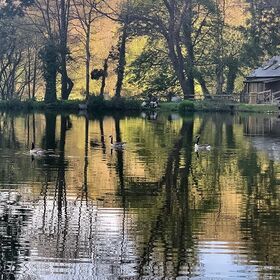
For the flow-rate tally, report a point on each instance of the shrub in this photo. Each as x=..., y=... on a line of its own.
x=169, y=106
x=186, y=106
x=95, y=103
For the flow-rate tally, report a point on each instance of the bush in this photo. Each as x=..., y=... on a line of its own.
x=169, y=106
x=95, y=103
x=12, y=104
x=186, y=106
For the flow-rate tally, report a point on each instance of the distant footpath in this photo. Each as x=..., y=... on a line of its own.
x=125, y=104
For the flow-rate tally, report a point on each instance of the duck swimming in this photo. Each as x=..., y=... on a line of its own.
x=199, y=147
x=37, y=151
x=117, y=145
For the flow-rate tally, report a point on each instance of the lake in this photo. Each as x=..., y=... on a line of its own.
x=153, y=210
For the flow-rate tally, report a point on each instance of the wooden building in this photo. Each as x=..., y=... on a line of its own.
x=263, y=84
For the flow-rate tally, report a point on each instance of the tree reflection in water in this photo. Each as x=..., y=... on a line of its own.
x=141, y=212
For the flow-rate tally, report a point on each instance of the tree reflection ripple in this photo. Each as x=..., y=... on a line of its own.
x=155, y=210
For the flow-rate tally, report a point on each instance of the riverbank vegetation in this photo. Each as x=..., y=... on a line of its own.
x=56, y=50
x=98, y=104
x=93, y=104
x=214, y=106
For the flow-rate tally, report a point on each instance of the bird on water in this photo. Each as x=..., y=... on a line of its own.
x=117, y=145
x=36, y=151
x=201, y=147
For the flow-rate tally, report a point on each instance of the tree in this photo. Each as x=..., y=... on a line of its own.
x=263, y=34
x=49, y=56
x=17, y=70
x=51, y=19
x=13, y=8
x=104, y=76
x=170, y=27
x=151, y=70
x=85, y=11
x=121, y=57
x=66, y=83
x=123, y=15
x=181, y=25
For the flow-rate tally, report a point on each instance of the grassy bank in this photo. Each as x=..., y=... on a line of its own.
x=214, y=106
x=94, y=104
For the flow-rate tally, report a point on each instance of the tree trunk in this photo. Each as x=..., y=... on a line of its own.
x=88, y=58
x=34, y=77
x=64, y=77
x=70, y=86
x=11, y=91
x=103, y=83
x=178, y=68
x=190, y=49
x=219, y=79
x=220, y=24
x=189, y=80
x=50, y=93
x=202, y=83
x=231, y=77
x=63, y=54
x=29, y=73
x=66, y=82
x=49, y=56
x=122, y=61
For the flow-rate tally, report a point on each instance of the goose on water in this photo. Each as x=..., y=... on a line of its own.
x=200, y=147
x=117, y=145
x=36, y=151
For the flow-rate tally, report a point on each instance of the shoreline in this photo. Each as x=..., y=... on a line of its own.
x=214, y=106
x=130, y=105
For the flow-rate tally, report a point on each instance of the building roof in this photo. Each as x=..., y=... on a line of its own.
x=262, y=80
x=271, y=69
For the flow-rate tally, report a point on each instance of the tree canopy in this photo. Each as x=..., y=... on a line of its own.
x=49, y=48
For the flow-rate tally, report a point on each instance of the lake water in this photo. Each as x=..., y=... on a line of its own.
x=155, y=210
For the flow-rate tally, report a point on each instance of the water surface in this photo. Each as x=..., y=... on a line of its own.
x=155, y=210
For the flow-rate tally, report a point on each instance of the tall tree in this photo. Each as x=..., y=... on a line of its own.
x=51, y=19
x=123, y=15
x=49, y=57
x=181, y=26
x=219, y=49
x=85, y=11
x=121, y=57
x=63, y=16
x=17, y=69
x=263, y=34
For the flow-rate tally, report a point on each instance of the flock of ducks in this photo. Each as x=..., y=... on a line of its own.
x=119, y=146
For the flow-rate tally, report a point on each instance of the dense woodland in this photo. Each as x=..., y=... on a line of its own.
x=61, y=49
